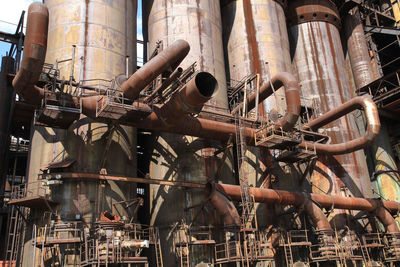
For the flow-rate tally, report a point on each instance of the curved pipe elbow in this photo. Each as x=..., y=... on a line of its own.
x=35, y=45
x=292, y=95
x=370, y=135
x=224, y=206
x=171, y=57
x=386, y=219
x=317, y=216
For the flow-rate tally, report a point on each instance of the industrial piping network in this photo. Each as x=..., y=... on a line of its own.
x=191, y=99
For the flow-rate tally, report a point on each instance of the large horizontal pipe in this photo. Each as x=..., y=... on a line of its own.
x=292, y=94
x=381, y=208
x=35, y=45
x=370, y=135
x=167, y=59
x=271, y=196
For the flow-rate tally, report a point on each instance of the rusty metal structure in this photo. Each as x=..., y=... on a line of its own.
x=256, y=133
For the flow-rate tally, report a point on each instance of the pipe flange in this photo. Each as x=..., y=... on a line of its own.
x=302, y=11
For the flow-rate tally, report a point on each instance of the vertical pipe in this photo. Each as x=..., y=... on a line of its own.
x=319, y=62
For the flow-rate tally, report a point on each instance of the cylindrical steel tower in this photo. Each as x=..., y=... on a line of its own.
x=177, y=157
x=104, y=33
x=385, y=168
x=319, y=62
x=256, y=42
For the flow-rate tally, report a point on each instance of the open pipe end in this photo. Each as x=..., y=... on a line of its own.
x=206, y=84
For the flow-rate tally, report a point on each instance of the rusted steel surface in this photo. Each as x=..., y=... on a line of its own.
x=167, y=59
x=371, y=133
x=256, y=34
x=224, y=207
x=358, y=50
x=302, y=11
x=35, y=45
x=104, y=34
x=320, y=66
x=199, y=23
x=292, y=95
x=103, y=31
x=380, y=207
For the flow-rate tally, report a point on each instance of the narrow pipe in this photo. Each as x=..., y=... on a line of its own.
x=370, y=135
x=167, y=59
x=158, y=91
x=35, y=45
x=381, y=208
x=292, y=94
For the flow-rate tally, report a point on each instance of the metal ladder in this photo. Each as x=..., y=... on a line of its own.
x=288, y=252
x=185, y=256
x=365, y=254
x=248, y=213
x=157, y=248
x=13, y=237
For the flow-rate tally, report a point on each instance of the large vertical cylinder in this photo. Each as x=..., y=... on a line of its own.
x=319, y=62
x=386, y=177
x=104, y=33
x=177, y=157
x=256, y=42
x=358, y=51
x=199, y=23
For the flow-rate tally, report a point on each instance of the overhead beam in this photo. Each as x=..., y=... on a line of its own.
x=382, y=30
x=9, y=37
x=102, y=177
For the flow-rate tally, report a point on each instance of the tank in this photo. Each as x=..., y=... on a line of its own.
x=319, y=63
x=385, y=169
x=256, y=41
x=104, y=33
x=177, y=157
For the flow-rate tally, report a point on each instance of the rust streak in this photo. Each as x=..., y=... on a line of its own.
x=85, y=41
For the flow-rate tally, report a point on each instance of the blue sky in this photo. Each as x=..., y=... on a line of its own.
x=10, y=13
